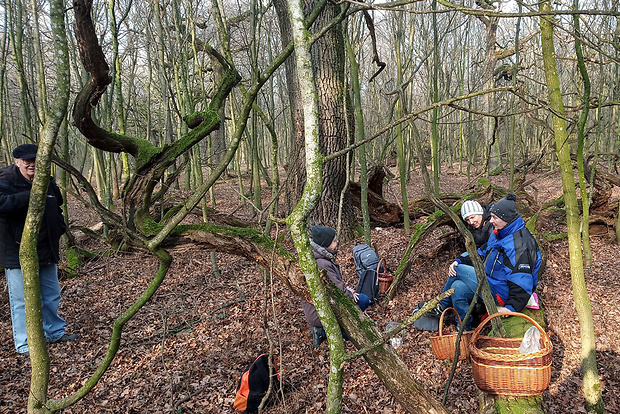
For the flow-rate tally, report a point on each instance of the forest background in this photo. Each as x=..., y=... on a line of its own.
x=172, y=99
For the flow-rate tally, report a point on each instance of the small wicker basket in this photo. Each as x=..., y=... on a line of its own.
x=499, y=368
x=444, y=345
x=385, y=279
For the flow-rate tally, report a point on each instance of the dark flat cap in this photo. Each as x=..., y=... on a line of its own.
x=25, y=151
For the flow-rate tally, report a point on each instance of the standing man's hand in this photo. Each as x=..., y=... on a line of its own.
x=452, y=269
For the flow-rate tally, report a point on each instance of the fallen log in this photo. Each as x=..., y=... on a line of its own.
x=383, y=359
x=380, y=210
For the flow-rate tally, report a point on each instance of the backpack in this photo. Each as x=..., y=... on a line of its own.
x=254, y=383
x=366, y=266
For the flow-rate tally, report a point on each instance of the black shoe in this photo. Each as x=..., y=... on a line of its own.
x=436, y=311
x=317, y=336
x=433, y=313
x=66, y=338
x=24, y=354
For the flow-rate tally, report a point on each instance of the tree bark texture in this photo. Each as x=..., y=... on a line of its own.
x=29, y=258
x=591, y=382
x=328, y=58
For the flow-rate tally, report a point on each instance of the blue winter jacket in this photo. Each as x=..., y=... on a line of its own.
x=512, y=260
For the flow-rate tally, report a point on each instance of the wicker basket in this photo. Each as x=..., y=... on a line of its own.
x=385, y=279
x=499, y=368
x=444, y=345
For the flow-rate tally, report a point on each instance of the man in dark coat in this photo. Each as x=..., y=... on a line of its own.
x=325, y=246
x=15, y=186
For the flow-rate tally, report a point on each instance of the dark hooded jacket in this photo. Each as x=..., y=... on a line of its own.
x=482, y=233
x=325, y=260
x=14, y=198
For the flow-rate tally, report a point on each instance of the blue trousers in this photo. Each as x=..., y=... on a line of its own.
x=53, y=325
x=464, y=285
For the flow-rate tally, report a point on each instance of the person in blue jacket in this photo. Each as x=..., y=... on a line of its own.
x=511, y=259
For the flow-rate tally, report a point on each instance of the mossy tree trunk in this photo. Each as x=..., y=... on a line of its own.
x=309, y=200
x=581, y=124
x=28, y=256
x=591, y=382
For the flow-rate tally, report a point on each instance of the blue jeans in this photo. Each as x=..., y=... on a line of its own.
x=464, y=285
x=363, y=301
x=53, y=325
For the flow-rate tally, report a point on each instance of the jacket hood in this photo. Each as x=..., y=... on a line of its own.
x=321, y=252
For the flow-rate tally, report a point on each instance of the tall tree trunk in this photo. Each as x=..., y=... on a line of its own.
x=310, y=199
x=28, y=249
x=296, y=172
x=40, y=67
x=328, y=57
x=591, y=382
x=488, y=82
x=400, y=108
x=15, y=12
x=360, y=134
x=435, y=98
x=581, y=124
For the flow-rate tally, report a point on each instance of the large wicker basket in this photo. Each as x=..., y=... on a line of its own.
x=444, y=345
x=499, y=368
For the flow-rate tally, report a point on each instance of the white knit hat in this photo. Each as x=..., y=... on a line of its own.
x=471, y=207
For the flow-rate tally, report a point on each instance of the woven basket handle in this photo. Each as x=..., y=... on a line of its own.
x=382, y=261
x=440, y=333
x=543, y=335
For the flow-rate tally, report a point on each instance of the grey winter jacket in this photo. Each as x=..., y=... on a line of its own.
x=325, y=259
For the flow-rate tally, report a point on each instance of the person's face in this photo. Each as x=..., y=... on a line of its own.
x=334, y=244
x=497, y=222
x=26, y=168
x=475, y=220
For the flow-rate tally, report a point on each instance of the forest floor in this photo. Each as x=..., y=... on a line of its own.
x=184, y=351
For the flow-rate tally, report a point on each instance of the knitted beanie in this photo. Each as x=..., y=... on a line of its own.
x=323, y=235
x=471, y=207
x=506, y=208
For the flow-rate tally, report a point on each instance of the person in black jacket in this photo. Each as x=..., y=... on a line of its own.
x=15, y=186
x=478, y=219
